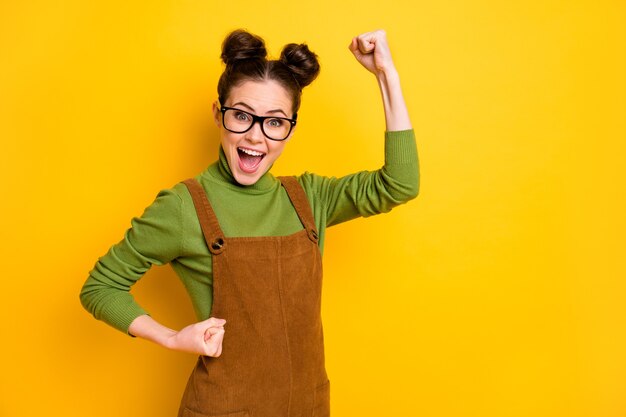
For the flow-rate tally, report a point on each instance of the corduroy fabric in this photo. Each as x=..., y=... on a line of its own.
x=268, y=289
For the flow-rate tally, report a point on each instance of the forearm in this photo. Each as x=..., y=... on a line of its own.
x=147, y=328
x=396, y=112
x=106, y=292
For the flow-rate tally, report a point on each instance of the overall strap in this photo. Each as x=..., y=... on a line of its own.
x=301, y=203
x=208, y=221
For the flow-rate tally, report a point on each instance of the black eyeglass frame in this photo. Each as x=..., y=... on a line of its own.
x=260, y=120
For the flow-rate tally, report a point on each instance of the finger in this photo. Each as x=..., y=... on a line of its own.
x=374, y=34
x=210, y=331
x=213, y=342
x=213, y=346
x=217, y=346
x=368, y=41
x=214, y=321
x=219, y=349
x=354, y=47
x=366, y=44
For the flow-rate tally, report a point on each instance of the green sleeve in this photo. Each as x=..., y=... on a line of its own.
x=154, y=238
x=366, y=193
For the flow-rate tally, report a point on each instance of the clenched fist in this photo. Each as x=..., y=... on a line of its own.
x=203, y=338
x=372, y=51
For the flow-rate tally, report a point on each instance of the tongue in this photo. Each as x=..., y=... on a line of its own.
x=249, y=161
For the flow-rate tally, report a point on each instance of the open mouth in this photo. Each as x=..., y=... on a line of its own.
x=249, y=159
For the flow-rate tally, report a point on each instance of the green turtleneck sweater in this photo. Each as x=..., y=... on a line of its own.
x=169, y=230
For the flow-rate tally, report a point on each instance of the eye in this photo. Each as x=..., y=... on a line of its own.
x=275, y=122
x=242, y=116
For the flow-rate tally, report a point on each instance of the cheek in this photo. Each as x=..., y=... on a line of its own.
x=276, y=148
x=227, y=138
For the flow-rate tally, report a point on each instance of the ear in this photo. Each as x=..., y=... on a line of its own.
x=216, y=114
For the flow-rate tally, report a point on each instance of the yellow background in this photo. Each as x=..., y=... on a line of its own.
x=498, y=292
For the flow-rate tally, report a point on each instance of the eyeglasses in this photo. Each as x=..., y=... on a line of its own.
x=239, y=121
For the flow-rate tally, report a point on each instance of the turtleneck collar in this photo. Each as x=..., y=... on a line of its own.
x=222, y=169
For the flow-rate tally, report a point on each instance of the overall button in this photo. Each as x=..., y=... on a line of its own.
x=217, y=245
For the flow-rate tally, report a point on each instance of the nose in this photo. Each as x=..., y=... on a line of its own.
x=255, y=134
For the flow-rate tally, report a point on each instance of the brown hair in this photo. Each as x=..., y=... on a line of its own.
x=246, y=59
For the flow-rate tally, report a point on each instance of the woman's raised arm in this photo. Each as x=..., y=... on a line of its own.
x=366, y=193
x=372, y=51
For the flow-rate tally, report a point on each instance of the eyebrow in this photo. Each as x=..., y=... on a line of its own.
x=251, y=109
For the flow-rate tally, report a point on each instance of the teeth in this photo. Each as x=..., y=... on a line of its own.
x=251, y=152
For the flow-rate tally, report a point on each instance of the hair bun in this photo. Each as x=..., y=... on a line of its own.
x=241, y=45
x=302, y=63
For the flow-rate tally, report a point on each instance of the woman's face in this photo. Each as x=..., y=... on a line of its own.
x=250, y=154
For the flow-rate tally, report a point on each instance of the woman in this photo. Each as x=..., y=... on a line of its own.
x=248, y=245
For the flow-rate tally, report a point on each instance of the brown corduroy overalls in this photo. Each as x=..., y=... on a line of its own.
x=268, y=289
